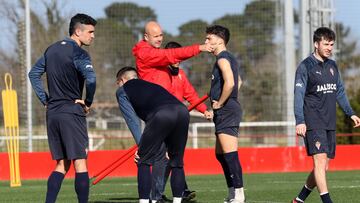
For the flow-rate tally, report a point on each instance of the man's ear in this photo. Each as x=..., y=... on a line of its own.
x=221, y=41
x=77, y=31
x=316, y=45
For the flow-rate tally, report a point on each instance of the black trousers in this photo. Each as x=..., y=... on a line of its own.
x=169, y=125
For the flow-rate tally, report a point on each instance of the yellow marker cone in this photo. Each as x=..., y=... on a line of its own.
x=11, y=125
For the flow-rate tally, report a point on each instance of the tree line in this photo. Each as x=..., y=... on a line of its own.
x=253, y=42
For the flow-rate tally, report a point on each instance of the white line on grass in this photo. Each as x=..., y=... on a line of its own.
x=108, y=193
x=348, y=186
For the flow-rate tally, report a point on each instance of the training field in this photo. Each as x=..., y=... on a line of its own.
x=270, y=188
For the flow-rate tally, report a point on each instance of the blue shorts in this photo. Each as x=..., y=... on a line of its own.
x=227, y=119
x=320, y=141
x=67, y=136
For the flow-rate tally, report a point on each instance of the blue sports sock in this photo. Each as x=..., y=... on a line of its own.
x=53, y=186
x=82, y=186
x=304, y=193
x=177, y=181
x=232, y=160
x=326, y=198
x=221, y=159
x=144, y=181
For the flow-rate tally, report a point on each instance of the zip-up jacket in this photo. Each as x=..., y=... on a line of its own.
x=152, y=63
x=182, y=89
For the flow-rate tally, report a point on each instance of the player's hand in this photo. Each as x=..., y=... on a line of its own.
x=167, y=156
x=356, y=121
x=208, y=115
x=136, y=159
x=216, y=105
x=301, y=130
x=206, y=47
x=82, y=103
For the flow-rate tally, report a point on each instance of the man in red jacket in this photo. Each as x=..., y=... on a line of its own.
x=152, y=65
x=152, y=62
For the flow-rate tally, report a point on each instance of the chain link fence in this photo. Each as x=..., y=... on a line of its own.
x=257, y=41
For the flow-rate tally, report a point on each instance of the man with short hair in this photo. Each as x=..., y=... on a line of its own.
x=152, y=61
x=318, y=87
x=68, y=67
x=166, y=121
x=225, y=82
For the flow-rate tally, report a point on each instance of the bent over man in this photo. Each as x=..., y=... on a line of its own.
x=166, y=121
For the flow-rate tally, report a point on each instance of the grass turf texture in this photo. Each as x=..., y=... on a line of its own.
x=344, y=187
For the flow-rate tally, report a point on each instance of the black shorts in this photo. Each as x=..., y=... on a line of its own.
x=227, y=119
x=67, y=136
x=170, y=125
x=320, y=141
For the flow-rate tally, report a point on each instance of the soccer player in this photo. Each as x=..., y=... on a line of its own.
x=68, y=67
x=152, y=65
x=225, y=82
x=166, y=121
x=318, y=87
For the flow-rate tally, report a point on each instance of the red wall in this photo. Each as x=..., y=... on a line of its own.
x=197, y=161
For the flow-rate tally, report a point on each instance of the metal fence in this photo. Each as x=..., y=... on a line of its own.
x=259, y=39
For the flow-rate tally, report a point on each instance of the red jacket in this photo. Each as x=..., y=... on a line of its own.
x=152, y=63
x=182, y=89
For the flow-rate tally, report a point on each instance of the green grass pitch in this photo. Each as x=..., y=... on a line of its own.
x=344, y=187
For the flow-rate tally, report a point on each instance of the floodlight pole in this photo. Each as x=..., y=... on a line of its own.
x=28, y=67
x=289, y=68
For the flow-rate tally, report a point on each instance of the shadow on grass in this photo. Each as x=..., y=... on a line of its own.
x=129, y=200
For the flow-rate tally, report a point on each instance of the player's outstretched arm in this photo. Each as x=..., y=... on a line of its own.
x=163, y=57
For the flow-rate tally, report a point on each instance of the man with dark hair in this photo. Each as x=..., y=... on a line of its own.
x=318, y=87
x=227, y=111
x=219, y=31
x=166, y=121
x=68, y=67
